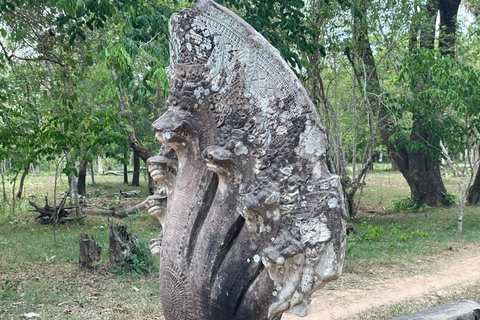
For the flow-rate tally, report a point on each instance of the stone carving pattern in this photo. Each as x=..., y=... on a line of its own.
x=253, y=222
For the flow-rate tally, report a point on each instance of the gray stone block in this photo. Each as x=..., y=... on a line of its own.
x=460, y=310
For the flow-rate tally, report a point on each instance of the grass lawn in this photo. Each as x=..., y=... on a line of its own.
x=39, y=276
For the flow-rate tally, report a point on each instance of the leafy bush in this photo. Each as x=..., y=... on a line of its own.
x=449, y=198
x=406, y=204
x=371, y=232
x=139, y=261
x=374, y=235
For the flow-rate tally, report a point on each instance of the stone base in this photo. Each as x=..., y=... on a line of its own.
x=460, y=310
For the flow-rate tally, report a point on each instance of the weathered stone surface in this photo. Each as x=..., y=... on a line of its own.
x=254, y=221
x=460, y=310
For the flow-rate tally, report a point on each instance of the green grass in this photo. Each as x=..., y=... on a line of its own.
x=46, y=274
x=407, y=237
x=35, y=241
x=39, y=276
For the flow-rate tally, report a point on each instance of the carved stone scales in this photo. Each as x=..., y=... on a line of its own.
x=254, y=221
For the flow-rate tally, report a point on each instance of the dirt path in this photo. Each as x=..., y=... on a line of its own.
x=339, y=304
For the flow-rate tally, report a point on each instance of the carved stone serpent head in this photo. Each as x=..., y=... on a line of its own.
x=254, y=221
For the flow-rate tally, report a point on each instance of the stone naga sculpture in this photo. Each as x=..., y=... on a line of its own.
x=254, y=222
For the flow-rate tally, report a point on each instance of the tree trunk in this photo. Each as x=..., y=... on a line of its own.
x=82, y=176
x=419, y=169
x=100, y=165
x=125, y=166
x=427, y=25
x=73, y=185
x=125, y=174
x=22, y=183
x=424, y=178
x=92, y=172
x=152, y=184
x=449, y=160
x=136, y=170
x=413, y=40
x=319, y=98
x=2, y=172
x=448, y=26
x=143, y=152
x=13, y=194
x=55, y=214
x=473, y=194
x=71, y=176
x=394, y=165
x=352, y=209
x=90, y=251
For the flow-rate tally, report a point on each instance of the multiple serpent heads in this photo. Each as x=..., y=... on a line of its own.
x=253, y=222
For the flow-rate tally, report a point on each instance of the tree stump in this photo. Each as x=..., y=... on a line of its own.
x=121, y=244
x=90, y=251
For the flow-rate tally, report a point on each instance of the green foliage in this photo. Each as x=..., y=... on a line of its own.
x=139, y=261
x=406, y=204
x=401, y=204
x=371, y=232
x=391, y=236
x=445, y=99
x=449, y=198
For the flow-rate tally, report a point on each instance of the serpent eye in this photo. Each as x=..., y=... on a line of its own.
x=178, y=84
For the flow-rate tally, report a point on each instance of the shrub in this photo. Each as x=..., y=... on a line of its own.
x=406, y=204
x=449, y=198
x=139, y=261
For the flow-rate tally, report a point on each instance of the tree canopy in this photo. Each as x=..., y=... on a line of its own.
x=88, y=77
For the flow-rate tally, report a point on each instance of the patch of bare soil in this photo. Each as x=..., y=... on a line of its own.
x=435, y=275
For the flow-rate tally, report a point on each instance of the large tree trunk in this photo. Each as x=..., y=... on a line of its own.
x=82, y=176
x=424, y=178
x=473, y=195
x=427, y=25
x=448, y=26
x=421, y=171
